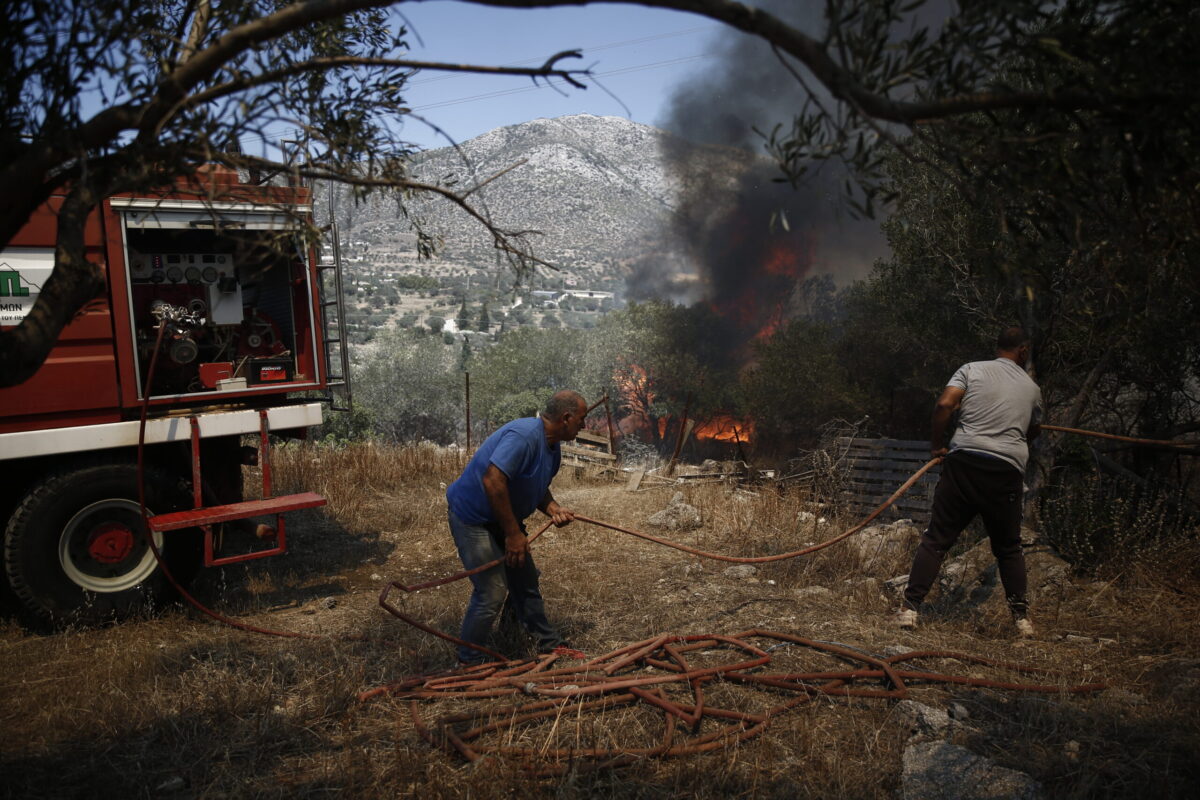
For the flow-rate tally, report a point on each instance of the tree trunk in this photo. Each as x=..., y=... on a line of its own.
x=1045, y=449
x=72, y=284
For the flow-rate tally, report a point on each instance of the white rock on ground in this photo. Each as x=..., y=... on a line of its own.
x=958, y=712
x=740, y=571
x=920, y=719
x=944, y=771
x=678, y=516
x=899, y=537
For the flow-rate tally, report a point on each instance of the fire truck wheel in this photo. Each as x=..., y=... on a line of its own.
x=76, y=549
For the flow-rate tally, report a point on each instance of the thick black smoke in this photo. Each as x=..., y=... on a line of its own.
x=732, y=224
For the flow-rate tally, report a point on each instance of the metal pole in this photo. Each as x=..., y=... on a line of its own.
x=612, y=437
x=467, y=377
x=679, y=440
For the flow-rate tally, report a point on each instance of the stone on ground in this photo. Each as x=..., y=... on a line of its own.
x=678, y=516
x=944, y=771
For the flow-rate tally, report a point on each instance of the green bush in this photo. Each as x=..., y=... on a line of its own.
x=1093, y=520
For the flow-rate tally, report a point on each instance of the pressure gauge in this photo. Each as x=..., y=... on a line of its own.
x=174, y=274
x=210, y=274
x=192, y=274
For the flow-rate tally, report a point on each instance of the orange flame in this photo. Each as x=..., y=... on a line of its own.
x=759, y=304
x=720, y=428
x=724, y=428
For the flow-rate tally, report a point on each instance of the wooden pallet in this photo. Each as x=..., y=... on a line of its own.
x=877, y=467
x=588, y=448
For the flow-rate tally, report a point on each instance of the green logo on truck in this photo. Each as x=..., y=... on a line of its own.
x=10, y=284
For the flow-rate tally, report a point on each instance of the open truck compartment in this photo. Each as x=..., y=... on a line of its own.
x=215, y=283
x=248, y=288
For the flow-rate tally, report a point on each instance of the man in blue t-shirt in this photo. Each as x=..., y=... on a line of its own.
x=507, y=478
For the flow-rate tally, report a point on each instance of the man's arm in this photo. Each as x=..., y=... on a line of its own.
x=560, y=514
x=943, y=412
x=495, y=486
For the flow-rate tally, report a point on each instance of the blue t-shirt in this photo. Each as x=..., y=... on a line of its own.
x=520, y=451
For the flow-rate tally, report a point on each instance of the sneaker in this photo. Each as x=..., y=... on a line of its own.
x=905, y=619
x=1025, y=628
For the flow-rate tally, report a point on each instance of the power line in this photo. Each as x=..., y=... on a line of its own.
x=587, y=50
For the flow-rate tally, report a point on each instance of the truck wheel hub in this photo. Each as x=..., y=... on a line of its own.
x=103, y=548
x=110, y=543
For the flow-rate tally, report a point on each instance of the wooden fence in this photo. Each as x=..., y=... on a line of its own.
x=877, y=467
x=588, y=448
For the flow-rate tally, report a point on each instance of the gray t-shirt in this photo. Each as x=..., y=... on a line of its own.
x=1000, y=404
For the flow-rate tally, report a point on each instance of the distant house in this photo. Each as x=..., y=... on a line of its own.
x=548, y=299
x=587, y=293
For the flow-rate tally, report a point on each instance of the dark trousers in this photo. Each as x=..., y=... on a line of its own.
x=970, y=485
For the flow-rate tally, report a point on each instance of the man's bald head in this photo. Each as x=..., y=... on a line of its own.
x=563, y=416
x=561, y=402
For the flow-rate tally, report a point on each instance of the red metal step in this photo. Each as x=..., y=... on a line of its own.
x=195, y=517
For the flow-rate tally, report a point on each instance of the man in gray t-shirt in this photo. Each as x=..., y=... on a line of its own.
x=998, y=404
x=983, y=471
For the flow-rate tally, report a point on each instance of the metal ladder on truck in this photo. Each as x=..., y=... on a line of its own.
x=338, y=392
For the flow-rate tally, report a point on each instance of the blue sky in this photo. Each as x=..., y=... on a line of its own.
x=638, y=54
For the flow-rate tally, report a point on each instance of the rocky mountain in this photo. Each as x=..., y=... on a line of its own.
x=600, y=191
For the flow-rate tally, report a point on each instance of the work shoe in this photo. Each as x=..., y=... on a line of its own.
x=1025, y=628
x=905, y=619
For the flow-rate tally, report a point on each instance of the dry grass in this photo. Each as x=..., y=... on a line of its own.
x=174, y=698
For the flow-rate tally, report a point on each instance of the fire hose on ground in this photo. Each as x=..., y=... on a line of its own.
x=644, y=672
x=595, y=686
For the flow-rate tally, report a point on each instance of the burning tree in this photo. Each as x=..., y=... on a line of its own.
x=669, y=361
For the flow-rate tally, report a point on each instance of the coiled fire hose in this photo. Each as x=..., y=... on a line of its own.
x=642, y=672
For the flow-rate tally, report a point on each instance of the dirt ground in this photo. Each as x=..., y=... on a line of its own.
x=175, y=705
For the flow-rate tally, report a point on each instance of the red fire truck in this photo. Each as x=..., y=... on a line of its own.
x=220, y=279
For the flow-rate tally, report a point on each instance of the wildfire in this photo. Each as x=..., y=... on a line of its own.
x=720, y=428
x=724, y=428
x=758, y=302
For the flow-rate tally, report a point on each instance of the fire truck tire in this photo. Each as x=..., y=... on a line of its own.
x=75, y=550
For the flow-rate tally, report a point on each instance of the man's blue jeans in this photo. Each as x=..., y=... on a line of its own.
x=479, y=544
